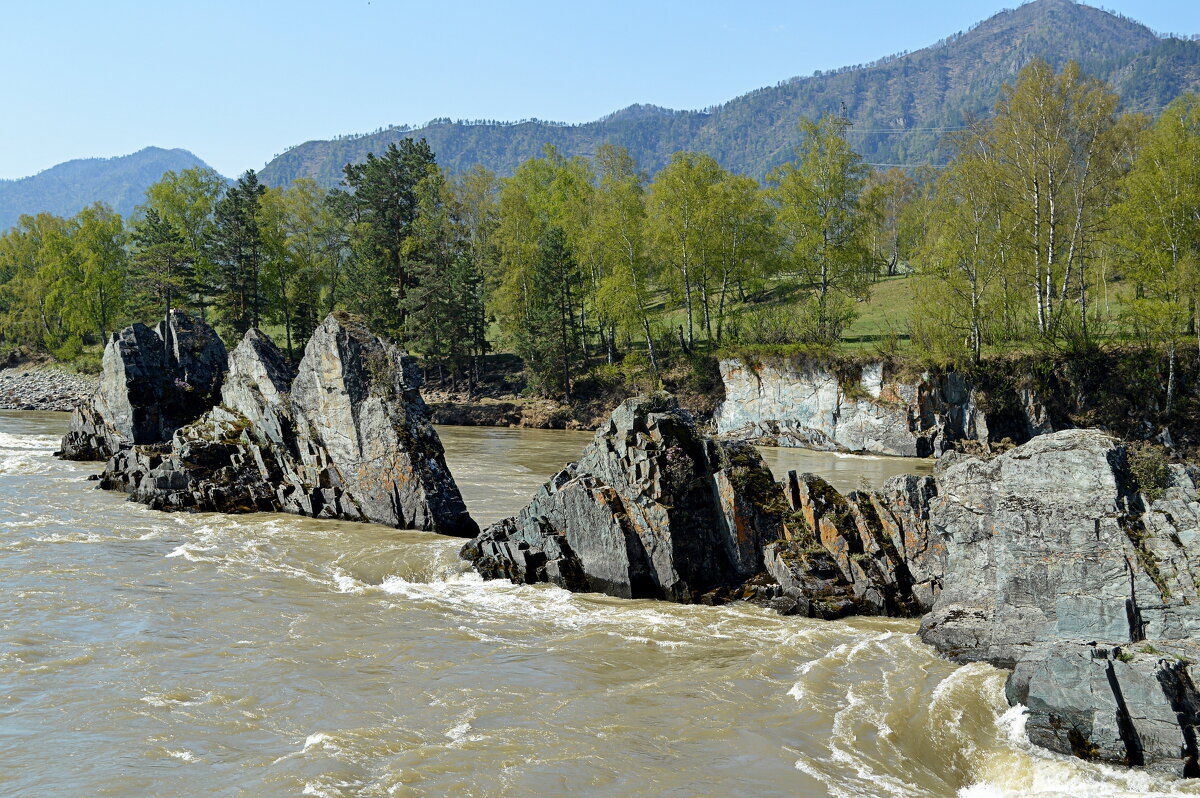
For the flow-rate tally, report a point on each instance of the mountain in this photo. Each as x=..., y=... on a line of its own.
x=65, y=189
x=900, y=106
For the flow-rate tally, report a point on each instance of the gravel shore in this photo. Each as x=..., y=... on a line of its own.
x=44, y=387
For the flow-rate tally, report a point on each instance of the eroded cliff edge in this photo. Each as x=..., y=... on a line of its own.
x=870, y=408
x=1046, y=560
x=346, y=436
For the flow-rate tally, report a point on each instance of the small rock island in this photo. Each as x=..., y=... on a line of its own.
x=184, y=426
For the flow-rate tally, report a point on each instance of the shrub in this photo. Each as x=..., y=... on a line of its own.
x=1148, y=468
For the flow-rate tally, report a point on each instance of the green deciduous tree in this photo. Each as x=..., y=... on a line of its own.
x=1054, y=147
x=885, y=199
x=821, y=224
x=963, y=256
x=680, y=224
x=620, y=236
x=1159, y=230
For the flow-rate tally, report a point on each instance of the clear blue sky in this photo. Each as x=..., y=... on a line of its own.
x=237, y=82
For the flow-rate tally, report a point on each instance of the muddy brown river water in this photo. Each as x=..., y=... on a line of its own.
x=152, y=654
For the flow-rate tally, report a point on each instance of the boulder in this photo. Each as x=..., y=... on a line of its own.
x=348, y=437
x=1130, y=705
x=153, y=382
x=652, y=509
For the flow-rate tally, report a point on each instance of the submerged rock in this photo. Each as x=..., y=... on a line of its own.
x=651, y=510
x=347, y=437
x=153, y=382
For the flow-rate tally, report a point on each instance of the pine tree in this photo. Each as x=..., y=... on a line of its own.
x=161, y=263
x=383, y=201
x=236, y=249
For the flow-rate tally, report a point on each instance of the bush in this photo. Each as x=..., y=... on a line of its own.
x=1148, y=468
x=793, y=324
x=68, y=350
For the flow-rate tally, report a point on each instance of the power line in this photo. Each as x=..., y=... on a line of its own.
x=905, y=129
x=907, y=165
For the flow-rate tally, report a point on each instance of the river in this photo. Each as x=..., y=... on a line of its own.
x=152, y=654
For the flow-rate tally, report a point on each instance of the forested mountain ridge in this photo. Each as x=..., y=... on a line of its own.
x=120, y=182
x=899, y=105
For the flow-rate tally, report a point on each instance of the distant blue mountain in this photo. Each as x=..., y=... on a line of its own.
x=65, y=189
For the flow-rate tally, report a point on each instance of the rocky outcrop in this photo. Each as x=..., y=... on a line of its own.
x=1130, y=705
x=654, y=509
x=651, y=510
x=153, y=382
x=872, y=410
x=1058, y=568
x=348, y=437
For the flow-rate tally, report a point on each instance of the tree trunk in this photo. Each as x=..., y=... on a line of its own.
x=687, y=291
x=1170, y=379
x=650, y=347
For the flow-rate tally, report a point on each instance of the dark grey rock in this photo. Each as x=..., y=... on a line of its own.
x=651, y=509
x=349, y=437
x=153, y=382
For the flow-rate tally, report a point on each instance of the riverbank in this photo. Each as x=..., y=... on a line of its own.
x=499, y=396
x=44, y=386
x=867, y=403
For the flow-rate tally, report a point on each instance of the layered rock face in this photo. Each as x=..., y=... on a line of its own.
x=809, y=406
x=1056, y=567
x=347, y=437
x=153, y=382
x=651, y=510
x=867, y=553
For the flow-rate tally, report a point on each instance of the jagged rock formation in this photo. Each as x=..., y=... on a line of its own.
x=866, y=553
x=809, y=406
x=347, y=437
x=153, y=382
x=651, y=510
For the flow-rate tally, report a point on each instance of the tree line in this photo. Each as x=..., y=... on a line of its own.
x=1058, y=221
